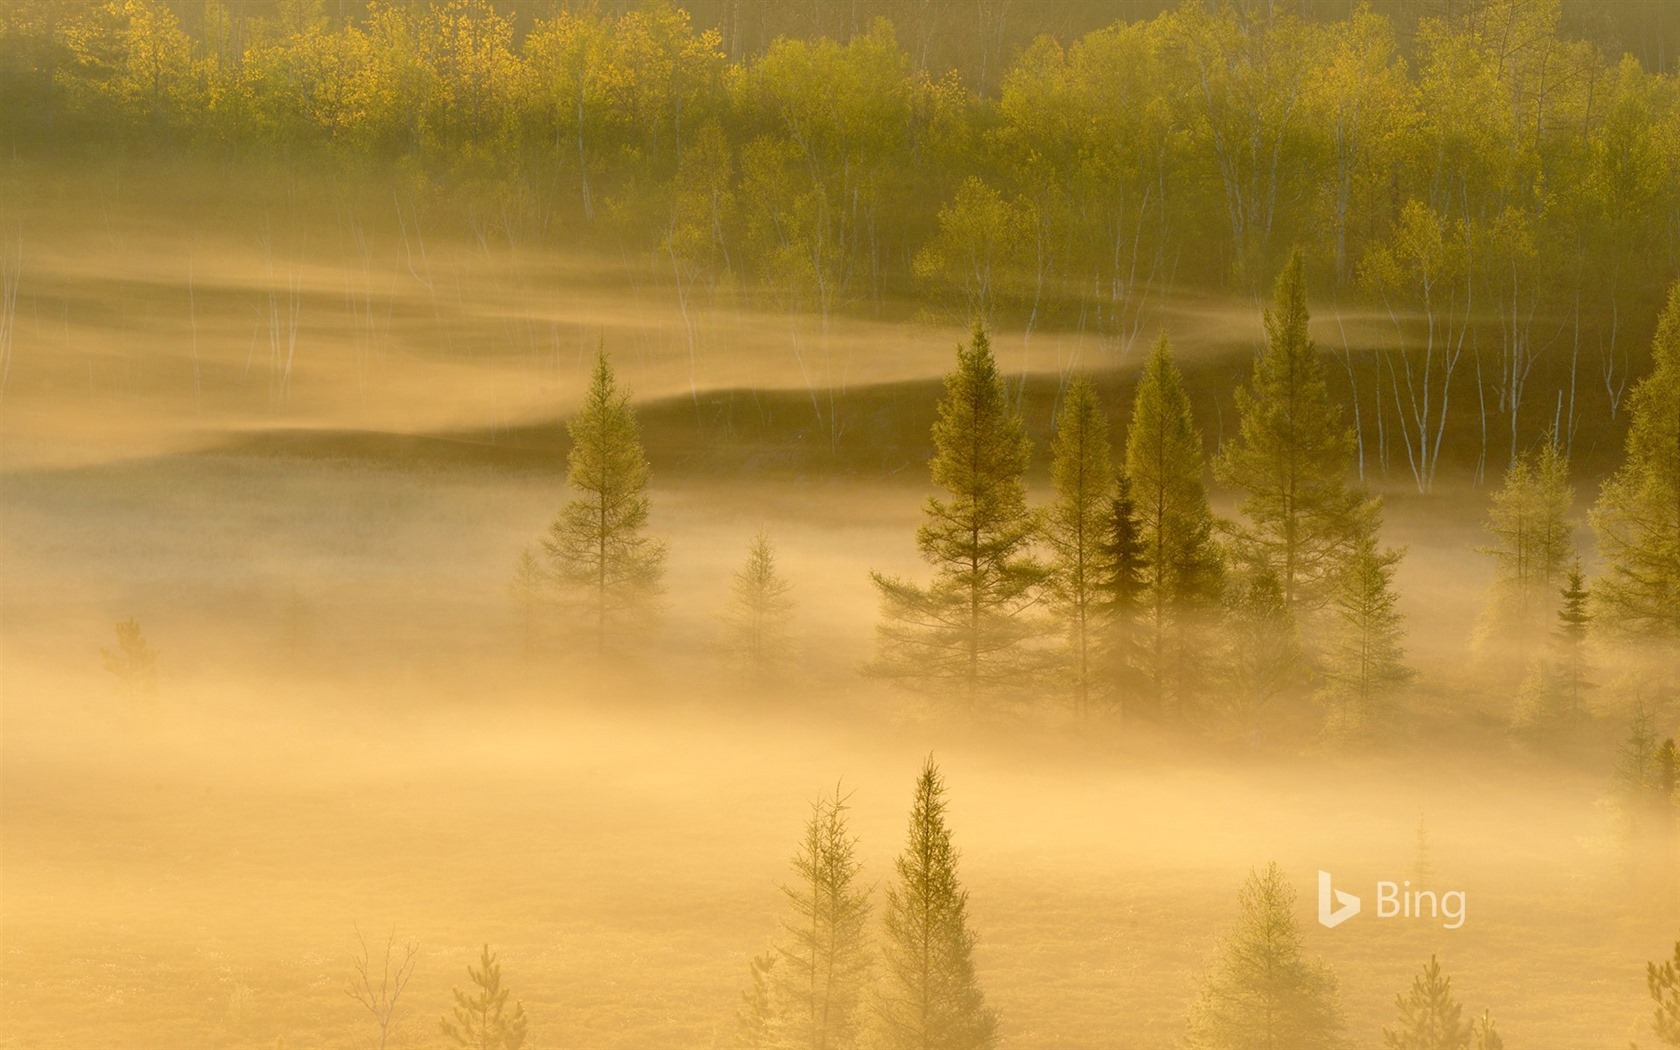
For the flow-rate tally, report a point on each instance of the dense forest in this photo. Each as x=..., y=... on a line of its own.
x=1506, y=191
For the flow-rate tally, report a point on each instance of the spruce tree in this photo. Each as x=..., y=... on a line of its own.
x=968, y=627
x=1483, y=1036
x=1123, y=592
x=822, y=963
x=1365, y=661
x=755, y=1020
x=133, y=662
x=1076, y=527
x=1262, y=658
x=482, y=1020
x=1430, y=1019
x=1637, y=519
x=1551, y=704
x=1263, y=993
x=1182, y=567
x=531, y=592
x=1664, y=983
x=598, y=546
x=1292, y=458
x=930, y=998
x=1534, y=542
x=760, y=608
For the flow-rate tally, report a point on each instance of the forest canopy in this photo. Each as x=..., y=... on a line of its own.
x=1473, y=162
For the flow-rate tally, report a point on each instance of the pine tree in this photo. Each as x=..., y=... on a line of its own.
x=1123, y=591
x=760, y=609
x=755, y=1020
x=598, y=546
x=817, y=984
x=1292, y=459
x=133, y=662
x=1664, y=983
x=969, y=626
x=1551, y=703
x=1182, y=567
x=1637, y=519
x=1643, y=785
x=482, y=1020
x=1262, y=658
x=1365, y=660
x=1430, y=1019
x=1534, y=542
x=531, y=591
x=1483, y=1036
x=1569, y=638
x=930, y=998
x=1083, y=477
x=1263, y=993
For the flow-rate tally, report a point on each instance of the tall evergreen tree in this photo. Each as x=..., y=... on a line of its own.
x=823, y=961
x=133, y=662
x=1534, y=542
x=1262, y=657
x=930, y=998
x=1365, y=660
x=1263, y=993
x=1637, y=519
x=1483, y=1036
x=1182, y=568
x=760, y=607
x=1664, y=983
x=531, y=591
x=1430, y=1019
x=968, y=627
x=598, y=546
x=1076, y=527
x=755, y=1019
x=1292, y=459
x=482, y=1020
x=1123, y=591
x=1551, y=705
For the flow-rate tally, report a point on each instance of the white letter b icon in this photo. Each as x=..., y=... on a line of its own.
x=1347, y=905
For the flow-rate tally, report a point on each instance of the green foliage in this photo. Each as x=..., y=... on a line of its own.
x=598, y=548
x=1183, y=571
x=1364, y=661
x=1122, y=592
x=1534, y=543
x=1082, y=474
x=1430, y=1019
x=1637, y=519
x=1263, y=993
x=1292, y=458
x=1551, y=705
x=760, y=607
x=969, y=627
x=1664, y=983
x=133, y=662
x=482, y=1020
x=930, y=996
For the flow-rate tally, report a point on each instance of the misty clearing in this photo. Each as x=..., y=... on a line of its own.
x=940, y=525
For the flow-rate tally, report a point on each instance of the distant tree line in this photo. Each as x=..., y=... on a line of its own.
x=1505, y=192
